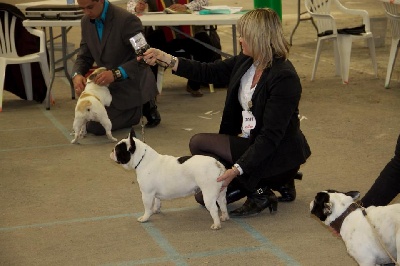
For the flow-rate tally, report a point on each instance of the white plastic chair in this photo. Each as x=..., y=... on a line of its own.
x=9, y=56
x=320, y=10
x=393, y=13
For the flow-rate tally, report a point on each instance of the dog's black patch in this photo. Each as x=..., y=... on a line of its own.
x=132, y=135
x=183, y=159
x=122, y=154
x=319, y=205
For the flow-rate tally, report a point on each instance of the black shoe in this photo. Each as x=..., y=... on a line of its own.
x=153, y=117
x=231, y=196
x=194, y=89
x=261, y=199
x=288, y=190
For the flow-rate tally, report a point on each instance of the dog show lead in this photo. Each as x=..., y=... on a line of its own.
x=260, y=132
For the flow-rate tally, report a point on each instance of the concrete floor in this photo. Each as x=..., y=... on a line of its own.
x=63, y=204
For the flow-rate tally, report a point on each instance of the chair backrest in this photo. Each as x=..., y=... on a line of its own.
x=320, y=10
x=393, y=14
x=7, y=31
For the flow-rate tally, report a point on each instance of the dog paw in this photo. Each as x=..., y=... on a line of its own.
x=216, y=226
x=224, y=217
x=74, y=141
x=157, y=211
x=142, y=219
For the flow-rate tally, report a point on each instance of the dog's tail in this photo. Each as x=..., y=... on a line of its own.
x=221, y=167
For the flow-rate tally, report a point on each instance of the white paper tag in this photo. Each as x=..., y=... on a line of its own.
x=249, y=122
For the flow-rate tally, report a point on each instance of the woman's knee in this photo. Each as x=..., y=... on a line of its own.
x=195, y=144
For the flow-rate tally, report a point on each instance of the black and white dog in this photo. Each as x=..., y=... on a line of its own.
x=163, y=177
x=369, y=234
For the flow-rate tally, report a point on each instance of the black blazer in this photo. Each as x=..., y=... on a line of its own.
x=277, y=143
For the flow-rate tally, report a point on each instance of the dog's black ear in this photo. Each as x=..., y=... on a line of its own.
x=354, y=194
x=132, y=143
x=132, y=133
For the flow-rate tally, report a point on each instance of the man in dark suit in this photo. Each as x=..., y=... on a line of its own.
x=106, y=30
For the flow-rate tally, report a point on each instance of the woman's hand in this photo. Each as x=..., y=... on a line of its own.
x=227, y=177
x=155, y=56
x=152, y=55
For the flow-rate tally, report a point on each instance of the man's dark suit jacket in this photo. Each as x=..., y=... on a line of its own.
x=115, y=50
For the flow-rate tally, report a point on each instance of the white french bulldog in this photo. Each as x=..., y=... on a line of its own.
x=359, y=227
x=163, y=177
x=90, y=107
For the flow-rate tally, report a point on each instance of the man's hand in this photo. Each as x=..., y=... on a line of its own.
x=104, y=78
x=79, y=82
x=178, y=7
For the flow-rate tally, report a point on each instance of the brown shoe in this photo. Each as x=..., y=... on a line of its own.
x=194, y=93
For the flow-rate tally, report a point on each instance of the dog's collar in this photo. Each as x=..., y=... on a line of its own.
x=337, y=223
x=140, y=159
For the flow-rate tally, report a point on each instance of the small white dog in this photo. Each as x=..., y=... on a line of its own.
x=90, y=107
x=364, y=231
x=163, y=177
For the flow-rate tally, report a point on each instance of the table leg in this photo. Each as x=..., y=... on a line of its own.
x=234, y=40
x=52, y=68
x=297, y=23
x=65, y=57
x=299, y=19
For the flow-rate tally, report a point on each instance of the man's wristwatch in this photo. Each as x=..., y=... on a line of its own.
x=117, y=74
x=75, y=74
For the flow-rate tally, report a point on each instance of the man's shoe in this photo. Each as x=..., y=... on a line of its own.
x=288, y=190
x=194, y=93
x=153, y=117
x=258, y=201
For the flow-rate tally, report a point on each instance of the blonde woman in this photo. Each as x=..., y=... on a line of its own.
x=259, y=138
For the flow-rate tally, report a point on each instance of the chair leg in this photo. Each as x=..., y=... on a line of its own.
x=344, y=43
x=316, y=59
x=44, y=66
x=371, y=46
x=338, y=71
x=211, y=87
x=2, y=79
x=393, y=54
x=27, y=79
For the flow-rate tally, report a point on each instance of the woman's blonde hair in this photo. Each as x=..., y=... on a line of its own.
x=262, y=30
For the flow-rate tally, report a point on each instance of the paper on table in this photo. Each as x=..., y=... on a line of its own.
x=222, y=9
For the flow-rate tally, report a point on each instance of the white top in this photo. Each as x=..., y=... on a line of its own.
x=245, y=89
x=246, y=93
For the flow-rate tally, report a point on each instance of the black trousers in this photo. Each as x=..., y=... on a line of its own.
x=387, y=186
x=238, y=147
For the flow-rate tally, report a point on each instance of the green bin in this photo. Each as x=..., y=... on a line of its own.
x=276, y=5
